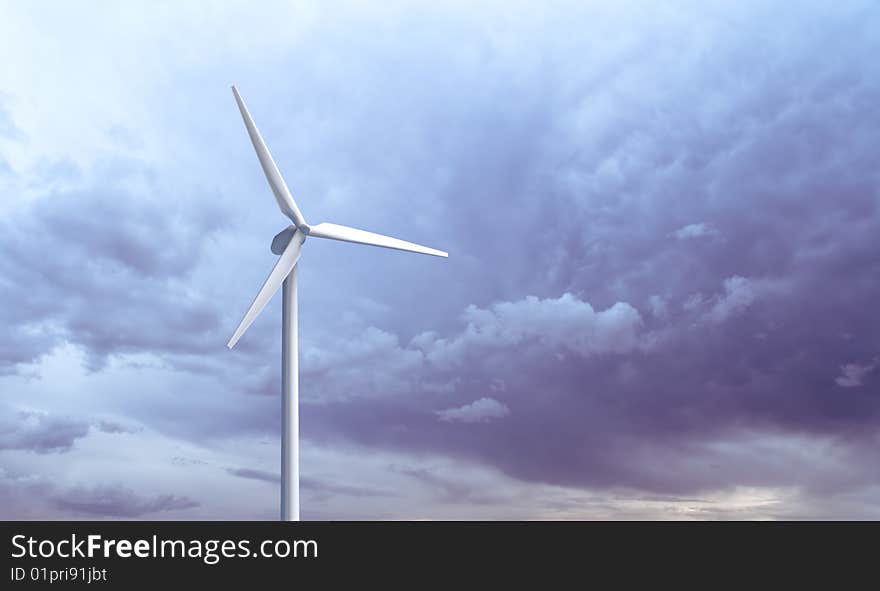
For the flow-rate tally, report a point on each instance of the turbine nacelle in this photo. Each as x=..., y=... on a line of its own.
x=283, y=238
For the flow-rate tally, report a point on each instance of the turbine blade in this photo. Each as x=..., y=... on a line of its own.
x=273, y=175
x=286, y=263
x=346, y=234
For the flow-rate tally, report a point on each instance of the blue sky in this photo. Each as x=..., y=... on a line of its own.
x=659, y=301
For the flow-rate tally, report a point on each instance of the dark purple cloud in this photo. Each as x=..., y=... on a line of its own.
x=316, y=488
x=106, y=426
x=664, y=259
x=765, y=156
x=255, y=474
x=105, y=269
x=117, y=501
x=39, y=432
x=320, y=489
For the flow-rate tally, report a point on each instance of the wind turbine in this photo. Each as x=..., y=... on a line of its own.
x=288, y=244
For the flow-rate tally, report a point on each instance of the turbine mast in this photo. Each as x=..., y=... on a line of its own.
x=290, y=400
x=288, y=244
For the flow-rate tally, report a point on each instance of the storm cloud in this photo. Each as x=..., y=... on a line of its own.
x=117, y=501
x=95, y=273
x=39, y=432
x=662, y=224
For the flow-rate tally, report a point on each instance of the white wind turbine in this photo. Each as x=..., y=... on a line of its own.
x=288, y=243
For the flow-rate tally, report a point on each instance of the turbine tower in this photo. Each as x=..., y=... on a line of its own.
x=288, y=244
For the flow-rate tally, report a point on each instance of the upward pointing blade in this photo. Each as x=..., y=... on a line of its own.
x=273, y=175
x=286, y=263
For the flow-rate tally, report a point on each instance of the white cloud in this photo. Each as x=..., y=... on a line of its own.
x=478, y=411
x=739, y=293
x=564, y=322
x=694, y=301
x=658, y=307
x=852, y=375
x=699, y=230
x=375, y=364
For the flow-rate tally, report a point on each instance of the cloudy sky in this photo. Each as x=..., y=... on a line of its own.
x=660, y=302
